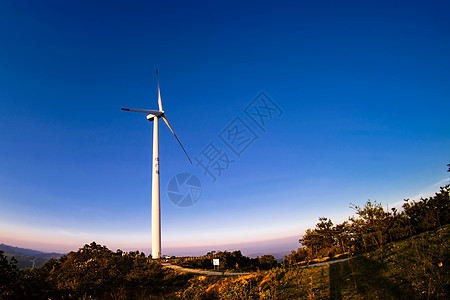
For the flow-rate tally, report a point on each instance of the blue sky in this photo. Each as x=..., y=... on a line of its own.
x=363, y=89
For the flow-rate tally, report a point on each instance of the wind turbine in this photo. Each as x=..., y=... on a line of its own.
x=153, y=116
x=34, y=263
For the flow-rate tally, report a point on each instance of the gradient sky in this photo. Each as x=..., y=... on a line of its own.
x=363, y=88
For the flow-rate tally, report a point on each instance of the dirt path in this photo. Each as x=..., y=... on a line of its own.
x=217, y=273
x=204, y=272
x=320, y=264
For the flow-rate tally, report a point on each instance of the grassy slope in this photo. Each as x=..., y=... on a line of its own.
x=415, y=268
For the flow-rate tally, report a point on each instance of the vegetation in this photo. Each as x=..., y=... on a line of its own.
x=93, y=272
x=229, y=261
x=414, y=268
x=392, y=255
x=8, y=276
x=372, y=228
x=27, y=258
x=277, y=283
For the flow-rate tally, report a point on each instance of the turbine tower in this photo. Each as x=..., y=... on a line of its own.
x=153, y=116
x=34, y=263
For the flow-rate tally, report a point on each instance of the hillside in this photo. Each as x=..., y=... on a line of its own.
x=415, y=268
x=26, y=256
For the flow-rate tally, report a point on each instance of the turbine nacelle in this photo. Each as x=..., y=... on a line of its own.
x=151, y=117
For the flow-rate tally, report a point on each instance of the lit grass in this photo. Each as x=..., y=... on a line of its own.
x=416, y=268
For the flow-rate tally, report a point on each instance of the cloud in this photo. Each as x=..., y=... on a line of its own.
x=431, y=189
x=426, y=192
x=72, y=234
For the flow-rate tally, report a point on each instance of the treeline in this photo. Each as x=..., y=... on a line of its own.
x=229, y=261
x=93, y=272
x=372, y=228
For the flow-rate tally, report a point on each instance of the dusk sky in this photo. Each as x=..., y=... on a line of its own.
x=357, y=99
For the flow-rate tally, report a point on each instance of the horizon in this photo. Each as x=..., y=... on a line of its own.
x=249, y=249
x=252, y=248
x=289, y=112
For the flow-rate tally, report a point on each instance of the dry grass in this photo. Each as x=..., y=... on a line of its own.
x=415, y=268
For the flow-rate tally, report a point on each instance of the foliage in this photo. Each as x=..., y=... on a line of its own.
x=297, y=256
x=273, y=284
x=267, y=262
x=95, y=272
x=8, y=276
x=230, y=261
x=429, y=213
x=414, y=268
x=372, y=228
x=322, y=239
x=372, y=224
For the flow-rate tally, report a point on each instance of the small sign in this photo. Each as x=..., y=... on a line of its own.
x=215, y=261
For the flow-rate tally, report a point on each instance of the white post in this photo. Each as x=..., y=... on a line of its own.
x=156, y=212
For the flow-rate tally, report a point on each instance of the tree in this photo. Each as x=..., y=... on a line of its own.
x=8, y=276
x=267, y=262
x=400, y=227
x=429, y=213
x=373, y=224
x=321, y=239
x=343, y=237
x=302, y=254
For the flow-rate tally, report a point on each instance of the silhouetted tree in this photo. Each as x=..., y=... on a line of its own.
x=267, y=262
x=429, y=213
x=400, y=227
x=8, y=277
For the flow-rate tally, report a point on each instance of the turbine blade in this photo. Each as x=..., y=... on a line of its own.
x=146, y=111
x=159, y=93
x=168, y=125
